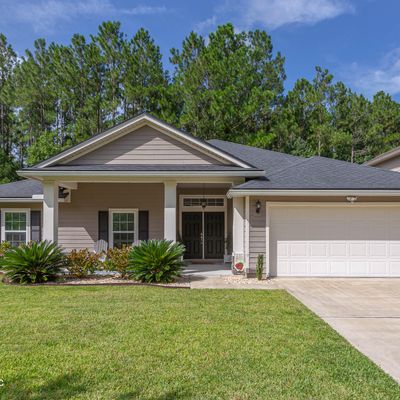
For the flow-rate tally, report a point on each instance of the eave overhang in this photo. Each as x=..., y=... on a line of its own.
x=313, y=192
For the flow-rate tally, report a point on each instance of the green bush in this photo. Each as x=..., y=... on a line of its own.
x=4, y=246
x=260, y=266
x=156, y=261
x=118, y=260
x=81, y=263
x=33, y=262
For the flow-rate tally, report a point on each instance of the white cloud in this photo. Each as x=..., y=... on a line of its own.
x=272, y=14
x=276, y=13
x=207, y=24
x=368, y=79
x=45, y=15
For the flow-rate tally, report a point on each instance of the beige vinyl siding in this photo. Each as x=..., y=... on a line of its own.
x=145, y=146
x=257, y=230
x=78, y=220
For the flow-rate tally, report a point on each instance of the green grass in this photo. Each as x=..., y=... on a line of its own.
x=153, y=343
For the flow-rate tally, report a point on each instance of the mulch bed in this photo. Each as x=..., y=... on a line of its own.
x=95, y=280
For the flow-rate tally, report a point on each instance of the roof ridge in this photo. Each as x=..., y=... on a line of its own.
x=290, y=166
x=387, y=171
x=255, y=148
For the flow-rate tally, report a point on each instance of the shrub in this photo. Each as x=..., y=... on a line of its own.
x=156, y=261
x=33, y=262
x=4, y=246
x=118, y=260
x=260, y=266
x=81, y=263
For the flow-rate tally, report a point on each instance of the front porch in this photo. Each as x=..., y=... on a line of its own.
x=200, y=270
x=197, y=214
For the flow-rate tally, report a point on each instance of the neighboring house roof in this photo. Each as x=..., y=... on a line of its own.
x=125, y=127
x=21, y=189
x=269, y=161
x=325, y=174
x=384, y=157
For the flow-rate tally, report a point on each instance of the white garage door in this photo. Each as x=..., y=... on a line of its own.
x=335, y=240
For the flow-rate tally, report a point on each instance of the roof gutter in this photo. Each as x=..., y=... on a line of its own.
x=324, y=192
x=42, y=174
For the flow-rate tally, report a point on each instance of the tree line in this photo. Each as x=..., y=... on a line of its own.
x=228, y=86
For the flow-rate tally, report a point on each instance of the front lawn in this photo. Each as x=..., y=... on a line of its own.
x=152, y=343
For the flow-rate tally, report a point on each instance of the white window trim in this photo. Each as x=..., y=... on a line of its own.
x=111, y=211
x=27, y=211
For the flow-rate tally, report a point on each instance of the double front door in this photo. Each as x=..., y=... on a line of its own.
x=203, y=234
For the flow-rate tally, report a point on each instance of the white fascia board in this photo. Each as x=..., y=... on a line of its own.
x=139, y=121
x=327, y=192
x=154, y=174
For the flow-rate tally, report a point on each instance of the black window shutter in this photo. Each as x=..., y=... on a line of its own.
x=36, y=225
x=143, y=225
x=103, y=225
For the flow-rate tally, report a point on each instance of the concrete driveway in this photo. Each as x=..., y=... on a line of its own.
x=365, y=311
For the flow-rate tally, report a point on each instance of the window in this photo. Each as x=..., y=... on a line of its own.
x=123, y=226
x=209, y=201
x=15, y=226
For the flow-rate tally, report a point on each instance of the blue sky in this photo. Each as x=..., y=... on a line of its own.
x=357, y=40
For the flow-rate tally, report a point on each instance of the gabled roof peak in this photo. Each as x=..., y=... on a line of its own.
x=134, y=123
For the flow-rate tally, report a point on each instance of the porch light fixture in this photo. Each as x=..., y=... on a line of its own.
x=258, y=206
x=351, y=199
x=62, y=194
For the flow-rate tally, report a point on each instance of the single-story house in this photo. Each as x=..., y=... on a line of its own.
x=144, y=179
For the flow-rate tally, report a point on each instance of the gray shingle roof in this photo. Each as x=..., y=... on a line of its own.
x=325, y=173
x=21, y=189
x=269, y=161
x=283, y=172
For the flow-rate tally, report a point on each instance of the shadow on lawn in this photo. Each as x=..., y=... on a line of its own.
x=170, y=395
x=62, y=387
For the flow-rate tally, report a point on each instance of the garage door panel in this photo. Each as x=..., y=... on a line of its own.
x=358, y=268
x=394, y=249
x=320, y=267
x=335, y=241
x=298, y=268
x=338, y=268
x=319, y=249
x=394, y=268
x=337, y=249
x=297, y=249
x=378, y=249
x=378, y=268
x=358, y=249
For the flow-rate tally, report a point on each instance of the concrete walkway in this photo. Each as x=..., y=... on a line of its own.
x=365, y=311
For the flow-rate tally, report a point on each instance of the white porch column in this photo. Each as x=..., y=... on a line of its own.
x=170, y=210
x=238, y=227
x=50, y=211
